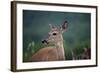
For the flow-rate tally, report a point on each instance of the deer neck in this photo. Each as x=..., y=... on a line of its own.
x=59, y=43
x=60, y=48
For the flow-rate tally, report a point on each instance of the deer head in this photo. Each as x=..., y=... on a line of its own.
x=55, y=35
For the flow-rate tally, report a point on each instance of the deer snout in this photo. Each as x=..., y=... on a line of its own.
x=44, y=42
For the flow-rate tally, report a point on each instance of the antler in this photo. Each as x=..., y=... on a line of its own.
x=51, y=26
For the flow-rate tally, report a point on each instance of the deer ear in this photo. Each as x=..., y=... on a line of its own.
x=64, y=26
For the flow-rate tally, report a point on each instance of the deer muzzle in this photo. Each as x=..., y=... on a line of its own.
x=44, y=41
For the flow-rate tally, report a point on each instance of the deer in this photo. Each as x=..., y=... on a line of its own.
x=52, y=53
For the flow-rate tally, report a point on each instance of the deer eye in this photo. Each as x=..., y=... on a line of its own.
x=54, y=33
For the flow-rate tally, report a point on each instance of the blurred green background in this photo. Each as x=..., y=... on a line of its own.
x=36, y=27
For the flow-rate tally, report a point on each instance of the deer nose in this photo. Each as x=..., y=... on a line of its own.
x=44, y=41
